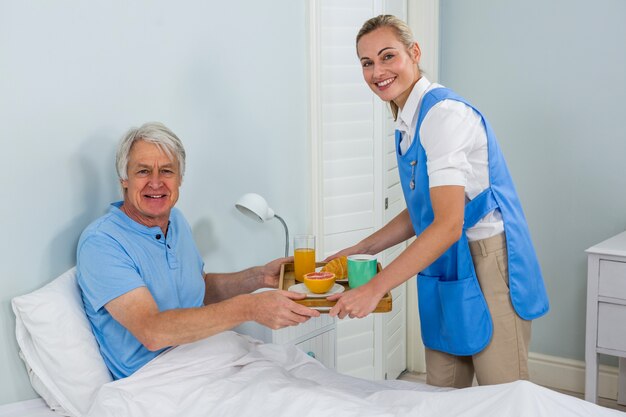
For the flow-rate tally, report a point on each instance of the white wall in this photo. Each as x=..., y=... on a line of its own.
x=549, y=76
x=230, y=78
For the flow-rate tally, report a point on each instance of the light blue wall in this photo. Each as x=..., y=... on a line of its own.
x=549, y=76
x=230, y=78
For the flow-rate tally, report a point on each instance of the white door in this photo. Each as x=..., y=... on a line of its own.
x=394, y=324
x=354, y=174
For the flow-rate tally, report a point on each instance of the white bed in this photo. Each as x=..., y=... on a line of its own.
x=230, y=374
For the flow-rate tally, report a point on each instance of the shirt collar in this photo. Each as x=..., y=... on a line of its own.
x=409, y=111
x=119, y=214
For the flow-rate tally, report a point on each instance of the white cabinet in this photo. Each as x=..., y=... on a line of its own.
x=321, y=347
x=316, y=337
x=606, y=311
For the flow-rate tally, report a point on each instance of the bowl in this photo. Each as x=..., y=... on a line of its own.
x=319, y=282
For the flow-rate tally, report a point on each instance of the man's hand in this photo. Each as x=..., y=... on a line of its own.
x=271, y=271
x=275, y=309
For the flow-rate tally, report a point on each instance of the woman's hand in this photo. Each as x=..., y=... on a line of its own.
x=356, y=303
x=352, y=250
x=397, y=230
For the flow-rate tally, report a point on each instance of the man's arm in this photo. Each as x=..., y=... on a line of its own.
x=221, y=287
x=138, y=312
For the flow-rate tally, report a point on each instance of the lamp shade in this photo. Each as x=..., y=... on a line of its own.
x=255, y=207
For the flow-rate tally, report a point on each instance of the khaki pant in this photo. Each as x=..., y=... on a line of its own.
x=505, y=359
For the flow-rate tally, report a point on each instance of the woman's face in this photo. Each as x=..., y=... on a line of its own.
x=388, y=68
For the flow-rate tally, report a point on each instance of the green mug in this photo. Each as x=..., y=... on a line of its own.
x=361, y=268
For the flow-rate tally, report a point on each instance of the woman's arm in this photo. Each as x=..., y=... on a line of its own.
x=448, y=204
x=397, y=230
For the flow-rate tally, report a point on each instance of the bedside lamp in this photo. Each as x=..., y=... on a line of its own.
x=255, y=207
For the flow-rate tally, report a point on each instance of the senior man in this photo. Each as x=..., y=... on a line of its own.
x=140, y=273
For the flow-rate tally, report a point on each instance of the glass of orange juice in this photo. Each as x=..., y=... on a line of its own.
x=303, y=255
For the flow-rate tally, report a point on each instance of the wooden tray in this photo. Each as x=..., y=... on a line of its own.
x=287, y=279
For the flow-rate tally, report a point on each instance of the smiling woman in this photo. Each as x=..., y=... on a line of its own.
x=390, y=56
x=479, y=279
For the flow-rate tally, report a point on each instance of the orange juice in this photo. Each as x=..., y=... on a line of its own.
x=304, y=260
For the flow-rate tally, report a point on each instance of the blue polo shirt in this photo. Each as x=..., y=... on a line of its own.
x=116, y=255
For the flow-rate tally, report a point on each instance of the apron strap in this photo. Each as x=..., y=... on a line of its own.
x=479, y=207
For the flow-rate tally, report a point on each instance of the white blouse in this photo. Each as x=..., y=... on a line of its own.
x=455, y=142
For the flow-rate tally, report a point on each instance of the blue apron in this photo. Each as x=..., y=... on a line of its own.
x=453, y=312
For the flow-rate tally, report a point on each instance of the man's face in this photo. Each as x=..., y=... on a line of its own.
x=151, y=189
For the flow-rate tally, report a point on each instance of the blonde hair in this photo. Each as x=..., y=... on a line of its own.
x=402, y=31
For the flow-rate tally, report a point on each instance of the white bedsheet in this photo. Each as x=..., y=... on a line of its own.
x=234, y=375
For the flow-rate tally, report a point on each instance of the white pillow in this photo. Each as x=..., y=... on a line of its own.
x=58, y=348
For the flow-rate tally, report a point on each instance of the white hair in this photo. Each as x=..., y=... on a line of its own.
x=152, y=132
